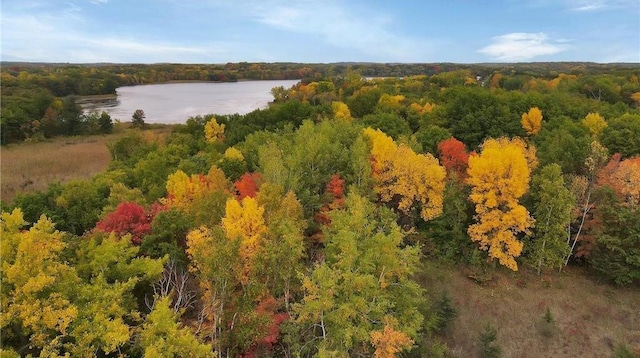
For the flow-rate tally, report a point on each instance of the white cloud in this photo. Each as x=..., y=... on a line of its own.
x=599, y=5
x=522, y=46
x=58, y=37
x=341, y=24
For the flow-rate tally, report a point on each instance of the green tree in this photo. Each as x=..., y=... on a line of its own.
x=105, y=122
x=616, y=255
x=553, y=204
x=81, y=203
x=137, y=119
x=365, y=280
x=162, y=336
x=622, y=135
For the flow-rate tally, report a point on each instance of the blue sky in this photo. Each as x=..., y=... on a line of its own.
x=322, y=31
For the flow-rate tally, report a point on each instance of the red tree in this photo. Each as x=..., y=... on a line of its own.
x=129, y=218
x=267, y=308
x=334, y=194
x=454, y=156
x=248, y=185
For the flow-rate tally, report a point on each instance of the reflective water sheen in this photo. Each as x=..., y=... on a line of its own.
x=176, y=102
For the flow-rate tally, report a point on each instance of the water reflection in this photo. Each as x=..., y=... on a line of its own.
x=176, y=102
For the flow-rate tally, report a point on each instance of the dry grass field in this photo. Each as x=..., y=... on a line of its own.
x=591, y=319
x=28, y=167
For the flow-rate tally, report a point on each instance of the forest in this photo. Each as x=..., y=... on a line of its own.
x=302, y=230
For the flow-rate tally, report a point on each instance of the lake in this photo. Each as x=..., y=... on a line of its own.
x=176, y=102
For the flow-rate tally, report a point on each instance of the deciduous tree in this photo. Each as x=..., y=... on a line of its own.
x=244, y=220
x=454, y=157
x=128, y=218
x=553, y=205
x=406, y=177
x=499, y=176
x=595, y=123
x=213, y=131
x=532, y=121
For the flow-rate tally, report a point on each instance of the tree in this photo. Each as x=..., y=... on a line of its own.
x=553, y=205
x=163, y=336
x=128, y=218
x=595, y=123
x=454, y=157
x=244, y=220
x=389, y=342
x=499, y=176
x=625, y=180
x=185, y=192
x=137, y=119
x=216, y=261
x=622, y=135
x=35, y=282
x=406, y=178
x=81, y=203
x=340, y=110
x=214, y=132
x=364, y=281
x=616, y=250
x=105, y=123
x=248, y=185
x=284, y=242
x=532, y=121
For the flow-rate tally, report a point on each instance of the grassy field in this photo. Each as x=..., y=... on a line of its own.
x=28, y=167
x=590, y=319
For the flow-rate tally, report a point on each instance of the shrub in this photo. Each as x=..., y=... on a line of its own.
x=489, y=348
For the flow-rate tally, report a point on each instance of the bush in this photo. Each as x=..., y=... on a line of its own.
x=489, y=348
x=445, y=311
x=623, y=351
x=547, y=326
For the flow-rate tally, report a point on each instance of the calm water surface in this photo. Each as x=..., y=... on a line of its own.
x=176, y=102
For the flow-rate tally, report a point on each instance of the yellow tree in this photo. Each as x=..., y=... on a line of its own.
x=213, y=131
x=245, y=220
x=34, y=280
x=389, y=342
x=340, y=110
x=184, y=190
x=595, y=123
x=499, y=176
x=532, y=121
x=390, y=103
x=404, y=177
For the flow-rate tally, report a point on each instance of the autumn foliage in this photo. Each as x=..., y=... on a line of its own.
x=248, y=185
x=128, y=218
x=335, y=197
x=499, y=176
x=184, y=190
x=454, y=156
x=389, y=342
x=532, y=121
x=406, y=177
x=244, y=220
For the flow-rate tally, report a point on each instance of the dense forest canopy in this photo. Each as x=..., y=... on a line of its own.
x=299, y=230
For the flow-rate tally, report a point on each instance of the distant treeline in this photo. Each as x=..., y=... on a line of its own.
x=29, y=90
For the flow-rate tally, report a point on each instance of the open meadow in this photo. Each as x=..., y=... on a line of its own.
x=29, y=167
x=585, y=319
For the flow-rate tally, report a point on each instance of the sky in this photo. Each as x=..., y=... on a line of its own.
x=321, y=31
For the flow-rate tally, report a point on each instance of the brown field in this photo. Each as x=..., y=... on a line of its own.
x=28, y=167
x=591, y=319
